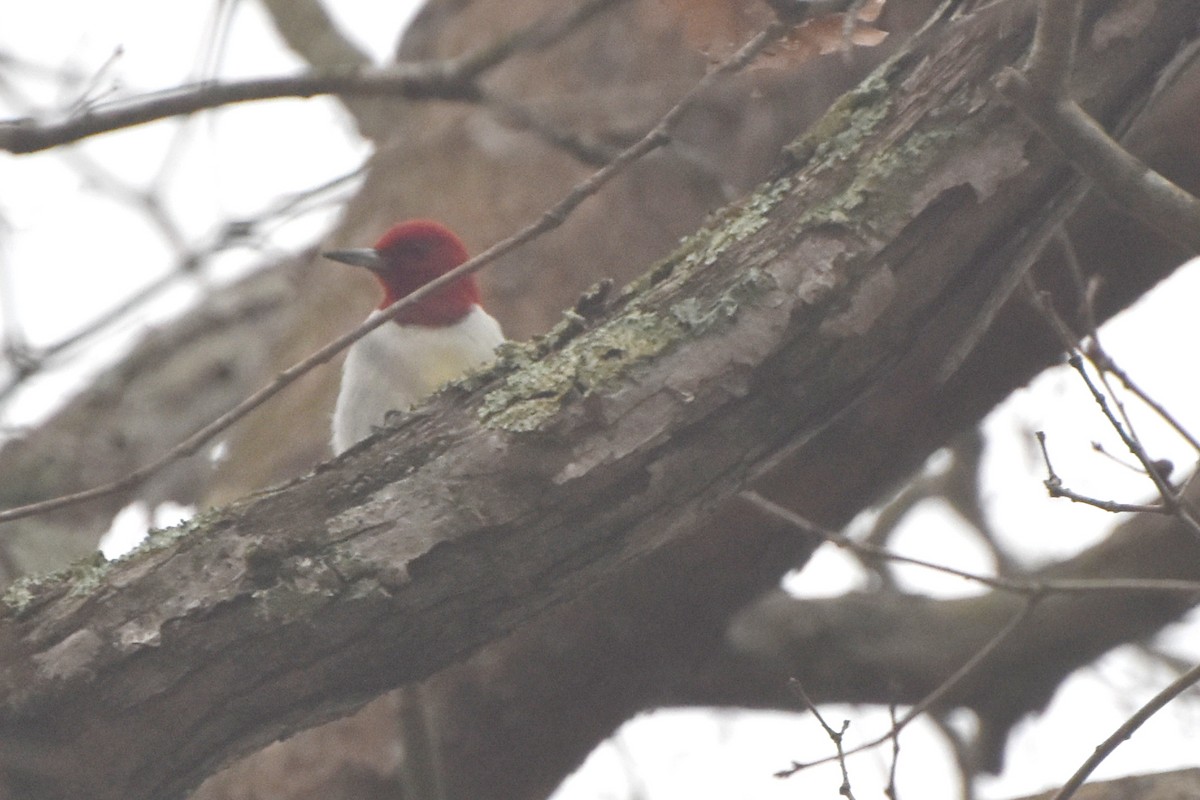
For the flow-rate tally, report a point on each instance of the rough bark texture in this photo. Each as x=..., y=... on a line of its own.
x=173, y=382
x=570, y=494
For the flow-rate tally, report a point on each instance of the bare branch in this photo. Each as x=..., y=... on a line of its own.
x=411, y=81
x=1054, y=485
x=1022, y=587
x=1053, y=51
x=1105, y=363
x=1172, y=497
x=550, y=219
x=932, y=699
x=1127, y=728
x=372, y=470
x=890, y=790
x=835, y=736
x=1144, y=193
x=1168, y=493
x=451, y=79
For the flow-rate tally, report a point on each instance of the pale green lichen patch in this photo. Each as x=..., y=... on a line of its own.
x=21, y=593
x=703, y=248
x=532, y=395
x=838, y=134
x=700, y=317
x=571, y=361
x=742, y=221
x=87, y=575
x=159, y=538
x=78, y=579
x=873, y=181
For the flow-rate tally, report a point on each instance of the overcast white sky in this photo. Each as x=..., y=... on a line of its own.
x=68, y=252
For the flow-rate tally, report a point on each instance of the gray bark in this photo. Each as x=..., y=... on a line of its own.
x=829, y=306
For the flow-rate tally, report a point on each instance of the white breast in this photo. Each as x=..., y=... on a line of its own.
x=395, y=366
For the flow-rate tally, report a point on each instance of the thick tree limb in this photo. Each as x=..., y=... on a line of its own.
x=572, y=464
x=895, y=648
x=197, y=368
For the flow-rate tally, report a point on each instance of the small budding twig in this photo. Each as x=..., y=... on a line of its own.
x=935, y=696
x=1055, y=488
x=1169, y=494
x=835, y=736
x=1023, y=587
x=1032, y=591
x=1105, y=363
x=1172, y=497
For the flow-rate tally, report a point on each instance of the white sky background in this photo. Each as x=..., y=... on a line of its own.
x=68, y=253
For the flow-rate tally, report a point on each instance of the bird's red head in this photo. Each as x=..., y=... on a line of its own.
x=407, y=257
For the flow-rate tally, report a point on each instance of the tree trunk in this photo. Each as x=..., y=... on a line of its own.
x=570, y=508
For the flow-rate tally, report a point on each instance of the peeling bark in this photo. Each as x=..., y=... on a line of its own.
x=839, y=292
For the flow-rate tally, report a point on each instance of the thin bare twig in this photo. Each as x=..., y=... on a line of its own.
x=1171, y=497
x=28, y=361
x=1085, y=286
x=890, y=791
x=835, y=736
x=1127, y=728
x=1105, y=363
x=1054, y=486
x=958, y=486
x=1028, y=588
x=1092, y=346
x=934, y=697
x=1168, y=493
x=550, y=219
x=1033, y=591
x=451, y=79
x=412, y=81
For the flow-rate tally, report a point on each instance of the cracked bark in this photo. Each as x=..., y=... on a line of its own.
x=324, y=592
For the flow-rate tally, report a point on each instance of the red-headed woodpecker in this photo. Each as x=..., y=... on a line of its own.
x=437, y=340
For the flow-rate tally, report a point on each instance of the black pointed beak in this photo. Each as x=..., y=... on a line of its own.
x=360, y=257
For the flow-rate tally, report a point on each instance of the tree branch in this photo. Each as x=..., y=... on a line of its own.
x=1041, y=93
x=551, y=218
x=411, y=81
x=575, y=462
x=1138, y=580
x=452, y=79
x=1177, y=687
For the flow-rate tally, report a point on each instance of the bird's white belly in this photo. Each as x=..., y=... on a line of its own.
x=395, y=366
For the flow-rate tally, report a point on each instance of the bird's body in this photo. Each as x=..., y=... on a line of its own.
x=439, y=339
x=418, y=360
